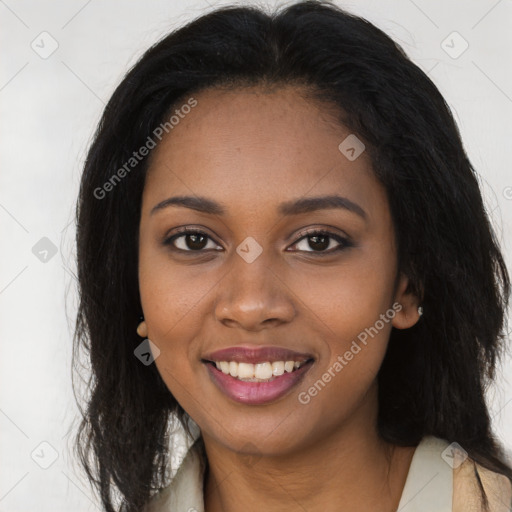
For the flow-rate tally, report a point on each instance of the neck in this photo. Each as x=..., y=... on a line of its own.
x=352, y=466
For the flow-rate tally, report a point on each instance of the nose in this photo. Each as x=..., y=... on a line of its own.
x=253, y=296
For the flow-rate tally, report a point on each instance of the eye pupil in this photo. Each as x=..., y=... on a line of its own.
x=195, y=237
x=324, y=244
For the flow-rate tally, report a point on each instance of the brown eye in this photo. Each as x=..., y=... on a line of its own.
x=320, y=241
x=190, y=241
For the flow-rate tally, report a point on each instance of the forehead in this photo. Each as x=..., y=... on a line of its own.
x=252, y=146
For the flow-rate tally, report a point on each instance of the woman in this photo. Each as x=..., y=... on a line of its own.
x=282, y=242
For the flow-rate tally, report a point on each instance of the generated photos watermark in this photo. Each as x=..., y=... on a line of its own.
x=304, y=397
x=145, y=149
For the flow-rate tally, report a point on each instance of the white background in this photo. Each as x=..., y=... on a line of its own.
x=49, y=109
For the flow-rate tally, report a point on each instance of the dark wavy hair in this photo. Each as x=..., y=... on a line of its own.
x=434, y=375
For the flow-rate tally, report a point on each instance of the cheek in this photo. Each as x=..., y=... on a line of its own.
x=348, y=309
x=347, y=304
x=169, y=293
x=174, y=303
x=173, y=299
x=349, y=298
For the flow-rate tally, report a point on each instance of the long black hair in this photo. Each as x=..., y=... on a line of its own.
x=434, y=375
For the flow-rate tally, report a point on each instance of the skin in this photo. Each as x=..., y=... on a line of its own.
x=251, y=150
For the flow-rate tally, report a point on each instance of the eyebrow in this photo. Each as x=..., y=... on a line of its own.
x=294, y=207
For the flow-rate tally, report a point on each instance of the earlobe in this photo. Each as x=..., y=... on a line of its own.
x=411, y=310
x=142, y=329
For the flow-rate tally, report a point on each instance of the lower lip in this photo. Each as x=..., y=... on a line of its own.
x=256, y=393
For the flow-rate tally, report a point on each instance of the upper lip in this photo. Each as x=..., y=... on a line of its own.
x=248, y=354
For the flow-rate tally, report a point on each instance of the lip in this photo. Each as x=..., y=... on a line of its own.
x=254, y=354
x=256, y=393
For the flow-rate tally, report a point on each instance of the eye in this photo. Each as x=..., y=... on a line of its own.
x=190, y=240
x=320, y=240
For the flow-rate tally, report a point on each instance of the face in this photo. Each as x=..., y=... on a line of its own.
x=255, y=273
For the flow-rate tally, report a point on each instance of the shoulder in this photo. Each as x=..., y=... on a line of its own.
x=466, y=489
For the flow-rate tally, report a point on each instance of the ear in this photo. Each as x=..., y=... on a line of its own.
x=409, y=314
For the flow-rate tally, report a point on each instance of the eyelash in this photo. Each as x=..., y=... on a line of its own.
x=344, y=242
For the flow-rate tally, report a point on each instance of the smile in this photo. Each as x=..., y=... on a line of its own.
x=257, y=384
x=259, y=372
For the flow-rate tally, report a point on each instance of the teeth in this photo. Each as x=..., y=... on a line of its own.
x=257, y=372
x=263, y=371
x=289, y=366
x=245, y=371
x=277, y=368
